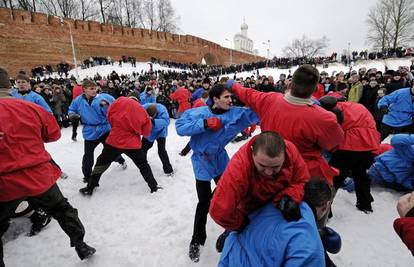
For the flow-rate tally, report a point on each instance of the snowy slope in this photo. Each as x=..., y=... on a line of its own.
x=131, y=227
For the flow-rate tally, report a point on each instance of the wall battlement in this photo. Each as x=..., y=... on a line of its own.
x=29, y=39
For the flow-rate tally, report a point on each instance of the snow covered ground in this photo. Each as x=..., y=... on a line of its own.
x=131, y=227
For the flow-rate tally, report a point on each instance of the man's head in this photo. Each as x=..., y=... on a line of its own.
x=304, y=81
x=4, y=83
x=89, y=88
x=152, y=111
x=318, y=194
x=23, y=82
x=221, y=97
x=206, y=83
x=268, y=152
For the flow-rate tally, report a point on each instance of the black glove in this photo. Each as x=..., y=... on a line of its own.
x=384, y=110
x=220, y=241
x=289, y=208
x=74, y=117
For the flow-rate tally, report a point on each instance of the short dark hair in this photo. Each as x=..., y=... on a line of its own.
x=86, y=83
x=217, y=90
x=271, y=143
x=317, y=192
x=152, y=110
x=304, y=81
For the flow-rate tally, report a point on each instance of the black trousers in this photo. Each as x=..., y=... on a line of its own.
x=162, y=152
x=88, y=156
x=355, y=164
x=204, y=195
x=110, y=153
x=53, y=203
x=186, y=149
x=387, y=130
x=75, y=124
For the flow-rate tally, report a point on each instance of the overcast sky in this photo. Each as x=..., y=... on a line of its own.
x=342, y=22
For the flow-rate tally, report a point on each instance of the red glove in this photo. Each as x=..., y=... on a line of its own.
x=213, y=124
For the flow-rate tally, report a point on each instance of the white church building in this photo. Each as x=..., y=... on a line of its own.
x=242, y=42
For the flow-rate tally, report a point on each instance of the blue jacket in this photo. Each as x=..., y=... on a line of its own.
x=161, y=122
x=197, y=94
x=400, y=108
x=93, y=116
x=145, y=98
x=34, y=98
x=396, y=166
x=269, y=240
x=209, y=157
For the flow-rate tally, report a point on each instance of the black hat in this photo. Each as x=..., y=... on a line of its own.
x=207, y=80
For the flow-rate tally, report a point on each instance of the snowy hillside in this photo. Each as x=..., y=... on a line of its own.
x=131, y=227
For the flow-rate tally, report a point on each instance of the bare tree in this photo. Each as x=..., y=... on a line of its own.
x=114, y=13
x=391, y=23
x=103, y=6
x=379, y=25
x=402, y=16
x=29, y=5
x=167, y=19
x=306, y=47
x=87, y=10
x=3, y=3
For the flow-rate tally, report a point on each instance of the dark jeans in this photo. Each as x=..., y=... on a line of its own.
x=204, y=195
x=162, y=152
x=53, y=203
x=88, y=156
x=354, y=164
x=75, y=124
x=110, y=153
x=387, y=130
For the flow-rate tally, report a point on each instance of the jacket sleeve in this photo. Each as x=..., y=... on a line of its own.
x=402, y=140
x=387, y=100
x=188, y=124
x=300, y=175
x=332, y=135
x=252, y=98
x=163, y=119
x=50, y=128
x=74, y=106
x=229, y=194
x=404, y=227
x=42, y=102
x=141, y=123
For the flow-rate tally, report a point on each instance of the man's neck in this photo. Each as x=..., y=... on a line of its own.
x=297, y=100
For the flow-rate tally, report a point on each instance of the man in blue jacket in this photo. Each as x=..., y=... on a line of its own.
x=160, y=121
x=24, y=92
x=270, y=240
x=398, y=108
x=147, y=96
x=211, y=128
x=91, y=108
x=199, y=92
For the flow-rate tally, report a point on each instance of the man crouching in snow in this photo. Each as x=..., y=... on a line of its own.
x=27, y=171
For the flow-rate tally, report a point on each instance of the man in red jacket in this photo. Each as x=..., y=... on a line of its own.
x=27, y=171
x=266, y=169
x=182, y=96
x=356, y=152
x=404, y=226
x=129, y=120
x=294, y=116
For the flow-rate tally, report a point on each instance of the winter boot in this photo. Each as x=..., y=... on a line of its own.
x=86, y=179
x=155, y=189
x=194, y=252
x=367, y=209
x=74, y=137
x=84, y=251
x=39, y=220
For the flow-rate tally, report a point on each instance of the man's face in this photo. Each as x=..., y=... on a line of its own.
x=322, y=210
x=206, y=85
x=224, y=102
x=23, y=85
x=266, y=166
x=90, y=91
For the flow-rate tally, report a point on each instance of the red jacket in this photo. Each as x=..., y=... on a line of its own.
x=182, y=96
x=199, y=103
x=310, y=127
x=405, y=229
x=242, y=190
x=320, y=91
x=25, y=165
x=359, y=127
x=129, y=120
x=77, y=91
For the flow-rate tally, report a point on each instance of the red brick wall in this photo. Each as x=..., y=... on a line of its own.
x=31, y=39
